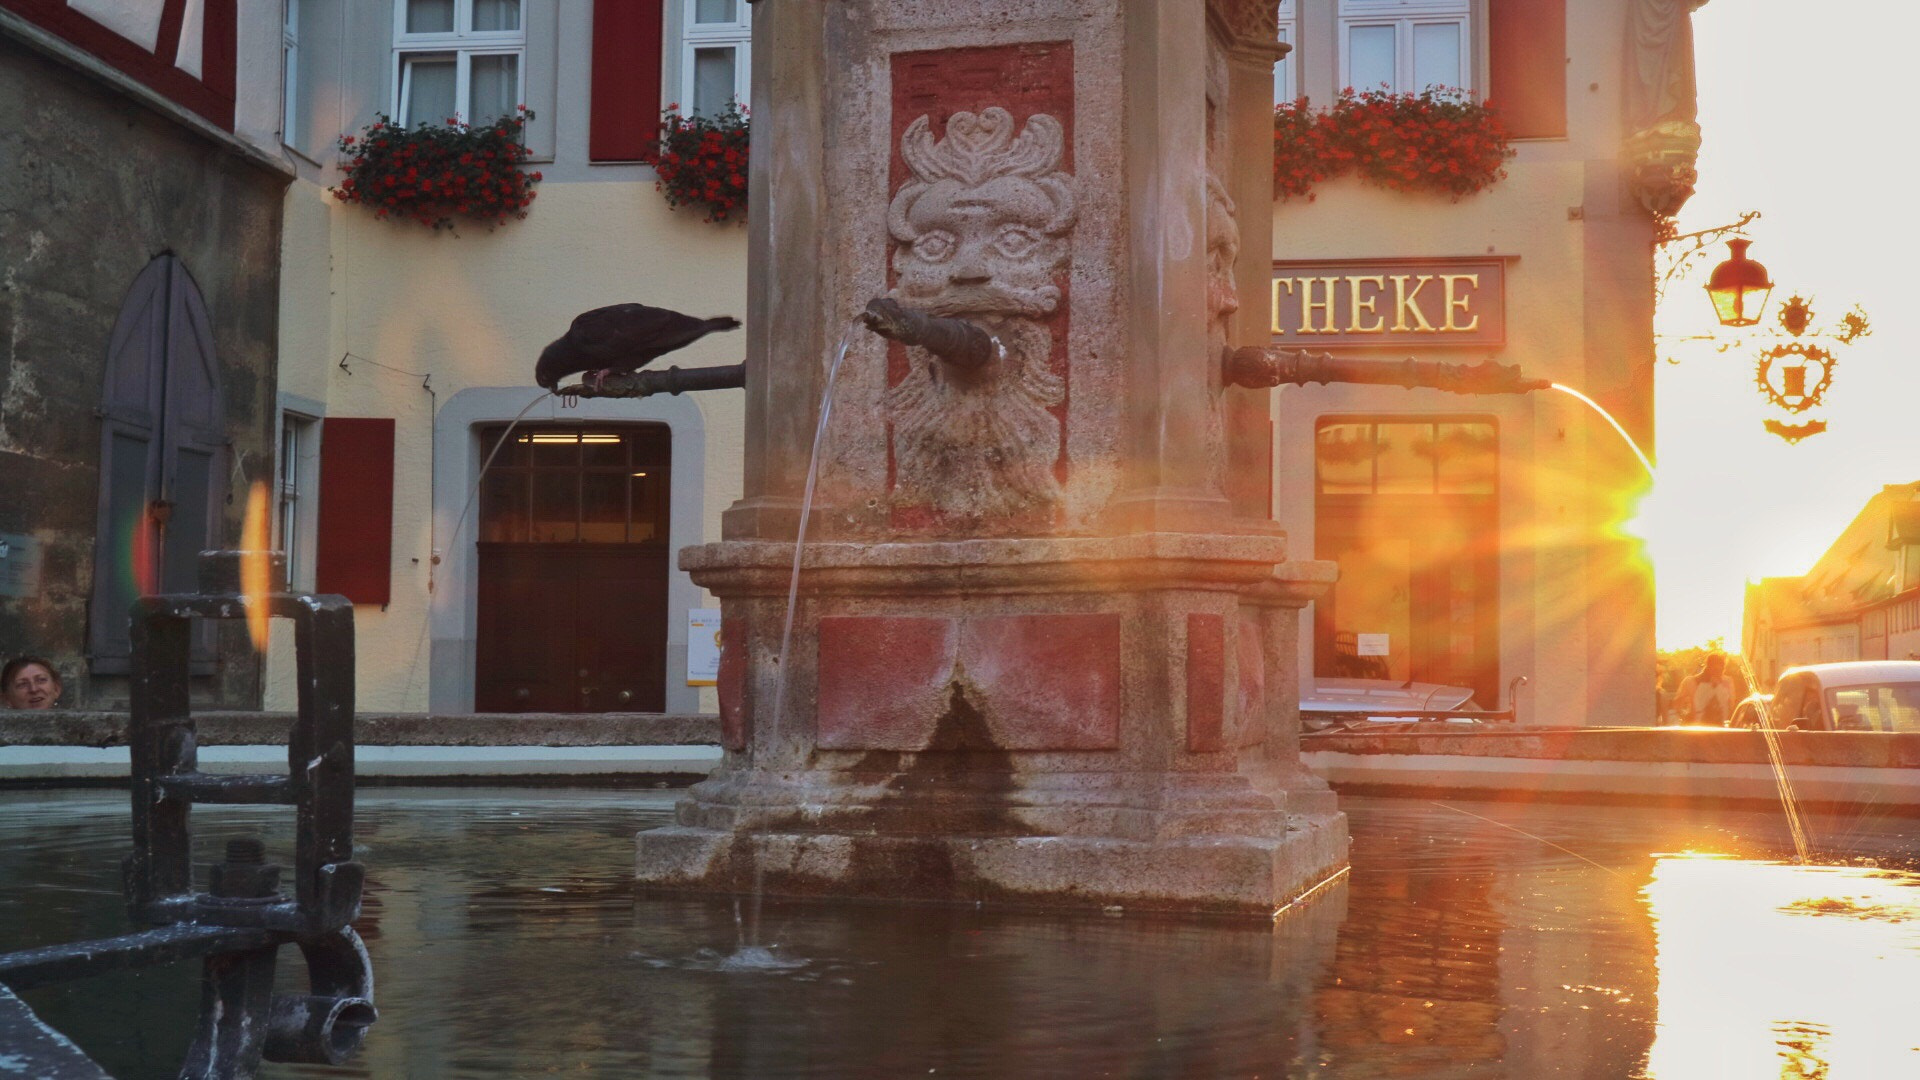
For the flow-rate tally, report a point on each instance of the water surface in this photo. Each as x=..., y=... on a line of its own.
x=1470, y=940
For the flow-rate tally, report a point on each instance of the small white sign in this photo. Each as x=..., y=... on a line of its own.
x=703, y=646
x=19, y=565
x=1370, y=644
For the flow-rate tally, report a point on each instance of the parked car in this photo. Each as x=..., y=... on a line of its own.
x=1332, y=701
x=1856, y=695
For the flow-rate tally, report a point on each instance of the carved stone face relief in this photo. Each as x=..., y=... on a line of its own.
x=981, y=232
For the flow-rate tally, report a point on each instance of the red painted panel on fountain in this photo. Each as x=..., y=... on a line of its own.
x=1250, y=654
x=1023, y=79
x=883, y=680
x=1206, y=683
x=1047, y=681
x=731, y=683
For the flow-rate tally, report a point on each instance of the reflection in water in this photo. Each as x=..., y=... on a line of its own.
x=1770, y=970
x=1471, y=940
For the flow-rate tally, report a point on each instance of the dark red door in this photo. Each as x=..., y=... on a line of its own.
x=573, y=571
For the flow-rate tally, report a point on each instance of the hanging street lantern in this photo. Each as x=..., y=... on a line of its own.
x=1739, y=287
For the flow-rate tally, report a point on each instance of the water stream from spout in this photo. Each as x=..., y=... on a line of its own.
x=475, y=490
x=434, y=556
x=806, y=511
x=1608, y=417
x=1789, y=804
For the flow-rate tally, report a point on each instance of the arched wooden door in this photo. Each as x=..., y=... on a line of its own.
x=573, y=556
x=162, y=458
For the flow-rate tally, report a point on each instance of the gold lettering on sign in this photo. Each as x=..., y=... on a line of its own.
x=1308, y=305
x=1405, y=303
x=1460, y=304
x=1278, y=284
x=1355, y=305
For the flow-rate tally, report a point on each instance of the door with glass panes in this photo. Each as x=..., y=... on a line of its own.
x=1408, y=507
x=573, y=570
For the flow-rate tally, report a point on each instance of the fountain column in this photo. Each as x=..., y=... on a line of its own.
x=1043, y=650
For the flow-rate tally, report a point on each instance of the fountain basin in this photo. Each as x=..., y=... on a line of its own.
x=507, y=941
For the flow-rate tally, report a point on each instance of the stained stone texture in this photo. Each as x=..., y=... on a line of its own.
x=1041, y=653
x=95, y=186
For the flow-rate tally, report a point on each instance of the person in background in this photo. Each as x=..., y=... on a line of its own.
x=1706, y=696
x=29, y=682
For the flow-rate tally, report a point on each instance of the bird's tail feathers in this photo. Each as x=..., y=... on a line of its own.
x=722, y=322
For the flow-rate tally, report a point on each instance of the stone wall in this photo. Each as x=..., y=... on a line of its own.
x=93, y=186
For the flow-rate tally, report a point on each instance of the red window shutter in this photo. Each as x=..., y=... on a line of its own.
x=628, y=39
x=354, y=550
x=1527, y=66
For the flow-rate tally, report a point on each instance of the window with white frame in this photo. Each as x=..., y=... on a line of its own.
x=458, y=58
x=1284, y=81
x=298, y=507
x=715, y=37
x=289, y=68
x=1405, y=46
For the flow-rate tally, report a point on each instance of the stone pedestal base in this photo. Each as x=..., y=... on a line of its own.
x=1240, y=875
x=1063, y=721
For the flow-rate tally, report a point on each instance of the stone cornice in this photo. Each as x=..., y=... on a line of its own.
x=1248, y=28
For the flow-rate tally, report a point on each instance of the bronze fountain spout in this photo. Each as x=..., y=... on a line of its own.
x=959, y=342
x=1257, y=367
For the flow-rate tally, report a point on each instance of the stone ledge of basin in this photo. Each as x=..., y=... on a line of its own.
x=1124, y=805
x=1225, y=875
x=1021, y=562
x=1867, y=749
x=100, y=729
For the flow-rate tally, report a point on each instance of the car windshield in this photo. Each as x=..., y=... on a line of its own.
x=1885, y=707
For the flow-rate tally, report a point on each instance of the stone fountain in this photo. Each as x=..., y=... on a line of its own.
x=1044, y=646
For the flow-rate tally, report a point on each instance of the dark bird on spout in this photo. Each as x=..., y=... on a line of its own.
x=621, y=338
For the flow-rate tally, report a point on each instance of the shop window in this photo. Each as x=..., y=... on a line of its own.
x=1405, y=46
x=1412, y=457
x=163, y=459
x=1407, y=507
x=571, y=485
x=463, y=58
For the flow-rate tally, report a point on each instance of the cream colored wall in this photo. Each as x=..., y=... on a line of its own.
x=1569, y=231
x=402, y=304
x=1524, y=217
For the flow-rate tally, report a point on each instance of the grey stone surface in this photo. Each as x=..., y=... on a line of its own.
x=1219, y=873
x=96, y=186
x=1867, y=749
x=1039, y=654
x=62, y=728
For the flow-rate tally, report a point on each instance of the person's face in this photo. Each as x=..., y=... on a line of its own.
x=32, y=687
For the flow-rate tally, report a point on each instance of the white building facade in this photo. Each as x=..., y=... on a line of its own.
x=405, y=353
x=1479, y=536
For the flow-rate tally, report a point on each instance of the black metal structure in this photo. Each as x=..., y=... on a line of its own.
x=1256, y=368
x=240, y=922
x=674, y=380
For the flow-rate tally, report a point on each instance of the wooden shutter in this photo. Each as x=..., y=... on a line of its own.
x=354, y=550
x=1527, y=66
x=628, y=40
